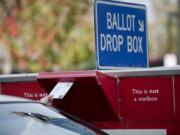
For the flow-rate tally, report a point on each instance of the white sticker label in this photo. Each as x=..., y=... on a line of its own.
x=136, y=131
x=60, y=90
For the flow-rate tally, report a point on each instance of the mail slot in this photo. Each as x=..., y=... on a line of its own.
x=92, y=96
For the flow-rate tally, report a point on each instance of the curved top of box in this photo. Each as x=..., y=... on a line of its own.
x=18, y=77
x=155, y=71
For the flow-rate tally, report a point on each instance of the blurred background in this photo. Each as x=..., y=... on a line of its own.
x=58, y=35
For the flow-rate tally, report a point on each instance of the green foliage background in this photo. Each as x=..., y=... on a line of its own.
x=51, y=35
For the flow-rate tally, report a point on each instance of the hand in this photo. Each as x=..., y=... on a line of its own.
x=47, y=99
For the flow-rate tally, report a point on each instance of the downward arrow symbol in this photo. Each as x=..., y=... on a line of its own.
x=141, y=26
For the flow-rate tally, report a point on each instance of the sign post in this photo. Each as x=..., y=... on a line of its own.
x=121, y=35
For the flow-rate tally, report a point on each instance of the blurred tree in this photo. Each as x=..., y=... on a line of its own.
x=49, y=35
x=163, y=32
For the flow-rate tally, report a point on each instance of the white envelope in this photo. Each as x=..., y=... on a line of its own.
x=61, y=89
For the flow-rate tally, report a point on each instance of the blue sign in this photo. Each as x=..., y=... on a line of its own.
x=121, y=35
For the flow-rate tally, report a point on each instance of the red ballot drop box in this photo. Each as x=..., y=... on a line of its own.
x=122, y=102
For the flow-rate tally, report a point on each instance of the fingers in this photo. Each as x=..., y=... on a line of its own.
x=47, y=99
x=50, y=99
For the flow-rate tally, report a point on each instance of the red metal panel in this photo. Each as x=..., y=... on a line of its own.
x=148, y=99
x=177, y=102
x=30, y=90
x=109, y=88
